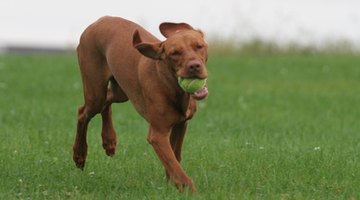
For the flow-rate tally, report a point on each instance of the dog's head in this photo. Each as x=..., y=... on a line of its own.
x=184, y=50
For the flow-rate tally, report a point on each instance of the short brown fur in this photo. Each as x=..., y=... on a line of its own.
x=120, y=61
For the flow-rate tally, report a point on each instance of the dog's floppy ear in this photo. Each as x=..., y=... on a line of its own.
x=153, y=51
x=168, y=28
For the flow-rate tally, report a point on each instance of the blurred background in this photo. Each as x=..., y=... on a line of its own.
x=316, y=24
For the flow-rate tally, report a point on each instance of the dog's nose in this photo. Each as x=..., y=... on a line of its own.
x=194, y=66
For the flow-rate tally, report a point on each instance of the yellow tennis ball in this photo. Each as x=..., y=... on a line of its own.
x=191, y=85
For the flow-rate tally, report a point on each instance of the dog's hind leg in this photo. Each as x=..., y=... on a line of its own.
x=95, y=79
x=85, y=114
x=108, y=134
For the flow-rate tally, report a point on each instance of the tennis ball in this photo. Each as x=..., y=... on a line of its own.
x=191, y=85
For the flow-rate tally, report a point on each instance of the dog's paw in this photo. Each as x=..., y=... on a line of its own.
x=79, y=161
x=80, y=164
x=186, y=186
x=110, y=151
x=109, y=147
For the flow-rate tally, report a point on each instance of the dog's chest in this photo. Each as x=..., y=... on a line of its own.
x=190, y=109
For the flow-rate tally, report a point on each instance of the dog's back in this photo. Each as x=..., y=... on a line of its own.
x=113, y=35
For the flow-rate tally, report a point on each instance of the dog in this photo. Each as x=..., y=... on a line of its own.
x=120, y=61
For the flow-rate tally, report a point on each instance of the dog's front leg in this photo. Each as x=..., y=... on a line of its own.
x=177, y=138
x=159, y=138
x=176, y=141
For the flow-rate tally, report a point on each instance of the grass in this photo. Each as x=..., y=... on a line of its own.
x=280, y=127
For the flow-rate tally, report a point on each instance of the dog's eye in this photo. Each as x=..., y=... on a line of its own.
x=175, y=53
x=199, y=46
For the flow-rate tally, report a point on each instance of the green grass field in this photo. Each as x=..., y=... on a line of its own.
x=281, y=127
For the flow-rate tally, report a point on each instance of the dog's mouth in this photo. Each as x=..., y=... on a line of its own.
x=195, y=86
x=200, y=94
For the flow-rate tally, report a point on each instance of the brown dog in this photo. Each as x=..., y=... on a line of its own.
x=121, y=61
